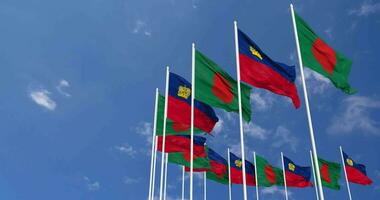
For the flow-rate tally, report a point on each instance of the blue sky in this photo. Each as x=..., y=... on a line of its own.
x=78, y=80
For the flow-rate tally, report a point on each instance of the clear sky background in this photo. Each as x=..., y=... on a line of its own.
x=78, y=78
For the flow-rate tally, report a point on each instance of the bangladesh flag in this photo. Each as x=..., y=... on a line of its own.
x=218, y=89
x=320, y=57
x=267, y=175
x=172, y=127
x=199, y=162
x=330, y=174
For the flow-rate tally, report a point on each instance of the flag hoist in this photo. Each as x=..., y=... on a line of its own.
x=313, y=145
x=314, y=177
x=164, y=133
x=154, y=150
x=283, y=171
x=345, y=173
x=240, y=109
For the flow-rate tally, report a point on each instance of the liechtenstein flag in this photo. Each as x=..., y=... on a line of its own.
x=258, y=70
x=356, y=173
x=237, y=171
x=179, y=105
x=296, y=176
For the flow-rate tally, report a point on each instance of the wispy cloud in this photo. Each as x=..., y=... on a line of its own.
x=255, y=131
x=41, y=97
x=283, y=137
x=262, y=100
x=329, y=32
x=91, y=185
x=275, y=190
x=130, y=180
x=126, y=149
x=218, y=127
x=316, y=83
x=141, y=27
x=365, y=9
x=61, y=86
x=145, y=129
x=356, y=115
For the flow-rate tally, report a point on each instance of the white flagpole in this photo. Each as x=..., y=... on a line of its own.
x=153, y=145
x=240, y=110
x=313, y=145
x=229, y=175
x=256, y=179
x=204, y=186
x=154, y=166
x=183, y=182
x=164, y=132
x=283, y=171
x=315, y=180
x=166, y=174
x=192, y=118
x=345, y=173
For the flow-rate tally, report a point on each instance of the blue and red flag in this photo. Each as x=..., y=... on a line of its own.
x=296, y=176
x=356, y=173
x=237, y=171
x=259, y=70
x=181, y=143
x=179, y=105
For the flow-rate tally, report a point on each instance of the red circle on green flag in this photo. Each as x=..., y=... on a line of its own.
x=222, y=89
x=325, y=55
x=269, y=174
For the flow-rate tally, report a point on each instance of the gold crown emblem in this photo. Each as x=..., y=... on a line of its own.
x=184, y=92
x=238, y=163
x=255, y=52
x=291, y=167
x=350, y=162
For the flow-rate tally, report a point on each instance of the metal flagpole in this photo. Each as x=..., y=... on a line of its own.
x=313, y=145
x=183, y=182
x=229, y=175
x=204, y=186
x=315, y=180
x=164, y=132
x=283, y=171
x=256, y=179
x=240, y=110
x=154, y=166
x=166, y=174
x=153, y=145
x=345, y=173
x=192, y=118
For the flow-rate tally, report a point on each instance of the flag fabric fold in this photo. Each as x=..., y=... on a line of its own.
x=296, y=176
x=259, y=70
x=267, y=175
x=330, y=174
x=356, y=173
x=181, y=143
x=237, y=171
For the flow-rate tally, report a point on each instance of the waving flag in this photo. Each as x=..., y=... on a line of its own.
x=320, y=57
x=217, y=88
x=356, y=173
x=200, y=160
x=296, y=176
x=181, y=143
x=237, y=171
x=179, y=105
x=267, y=175
x=258, y=70
x=330, y=174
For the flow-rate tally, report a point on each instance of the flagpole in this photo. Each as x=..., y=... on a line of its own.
x=256, y=179
x=315, y=180
x=240, y=110
x=183, y=182
x=229, y=175
x=313, y=145
x=283, y=171
x=153, y=145
x=192, y=118
x=154, y=166
x=204, y=186
x=166, y=174
x=345, y=173
x=164, y=131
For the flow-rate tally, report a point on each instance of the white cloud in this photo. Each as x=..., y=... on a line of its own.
x=274, y=190
x=283, y=137
x=328, y=32
x=41, y=97
x=145, y=129
x=235, y=149
x=60, y=87
x=316, y=83
x=356, y=115
x=261, y=100
x=130, y=180
x=91, y=185
x=218, y=127
x=141, y=27
x=126, y=149
x=255, y=131
x=366, y=8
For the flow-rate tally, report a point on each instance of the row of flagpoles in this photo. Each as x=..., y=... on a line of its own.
x=164, y=156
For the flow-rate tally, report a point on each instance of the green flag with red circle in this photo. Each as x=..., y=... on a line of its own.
x=217, y=88
x=320, y=57
x=267, y=175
